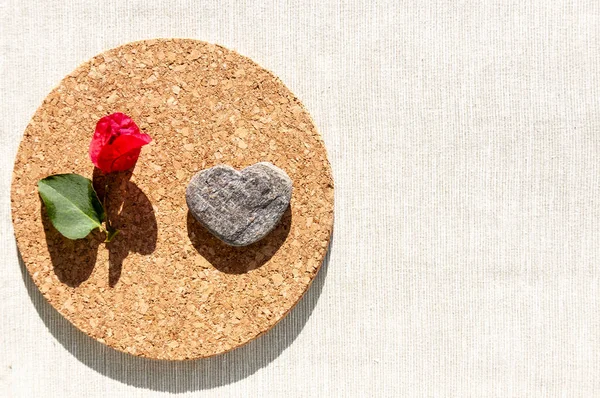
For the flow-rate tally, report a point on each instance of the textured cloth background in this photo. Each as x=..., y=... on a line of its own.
x=464, y=140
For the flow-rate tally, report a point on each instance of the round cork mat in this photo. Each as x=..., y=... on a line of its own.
x=165, y=288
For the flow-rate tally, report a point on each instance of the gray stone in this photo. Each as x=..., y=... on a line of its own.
x=239, y=207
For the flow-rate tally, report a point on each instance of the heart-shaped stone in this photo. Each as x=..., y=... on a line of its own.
x=239, y=207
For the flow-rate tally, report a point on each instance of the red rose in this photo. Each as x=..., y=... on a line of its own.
x=117, y=143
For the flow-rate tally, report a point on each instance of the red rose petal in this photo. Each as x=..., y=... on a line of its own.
x=122, y=154
x=117, y=143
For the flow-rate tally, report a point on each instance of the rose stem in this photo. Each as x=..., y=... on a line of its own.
x=104, y=200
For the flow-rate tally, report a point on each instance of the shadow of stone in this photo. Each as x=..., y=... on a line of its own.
x=237, y=260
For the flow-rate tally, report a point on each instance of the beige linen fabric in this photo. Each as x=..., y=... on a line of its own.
x=464, y=138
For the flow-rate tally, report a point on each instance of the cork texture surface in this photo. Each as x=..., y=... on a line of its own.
x=165, y=288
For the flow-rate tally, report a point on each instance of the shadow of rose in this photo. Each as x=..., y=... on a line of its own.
x=73, y=260
x=129, y=210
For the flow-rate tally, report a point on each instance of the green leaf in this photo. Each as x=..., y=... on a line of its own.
x=72, y=204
